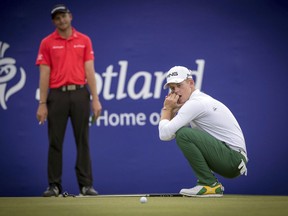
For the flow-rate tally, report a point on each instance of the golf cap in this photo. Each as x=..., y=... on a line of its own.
x=59, y=8
x=177, y=74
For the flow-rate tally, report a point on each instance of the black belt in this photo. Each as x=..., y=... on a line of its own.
x=70, y=87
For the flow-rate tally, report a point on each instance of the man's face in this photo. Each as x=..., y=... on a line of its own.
x=62, y=21
x=183, y=89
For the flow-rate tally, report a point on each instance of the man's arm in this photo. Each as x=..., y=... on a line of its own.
x=42, y=111
x=168, y=112
x=91, y=80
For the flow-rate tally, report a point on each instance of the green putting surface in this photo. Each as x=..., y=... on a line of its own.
x=231, y=205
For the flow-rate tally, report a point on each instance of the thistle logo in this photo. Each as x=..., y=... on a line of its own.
x=8, y=71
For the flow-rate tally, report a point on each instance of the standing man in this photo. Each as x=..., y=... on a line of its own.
x=206, y=132
x=66, y=63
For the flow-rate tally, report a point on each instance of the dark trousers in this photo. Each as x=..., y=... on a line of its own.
x=62, y=106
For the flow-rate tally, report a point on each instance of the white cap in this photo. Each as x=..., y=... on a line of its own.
x=177, y=74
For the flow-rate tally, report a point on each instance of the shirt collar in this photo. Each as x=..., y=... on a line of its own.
x=74, y=34
x=194, y=93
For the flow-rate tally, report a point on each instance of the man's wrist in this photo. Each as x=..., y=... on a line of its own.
x=166, y=108
x=42, y=102
x=95, y=97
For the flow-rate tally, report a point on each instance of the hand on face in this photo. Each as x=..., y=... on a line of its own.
x=171, y=101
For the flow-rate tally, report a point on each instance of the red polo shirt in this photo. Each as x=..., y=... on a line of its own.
x=66, y=58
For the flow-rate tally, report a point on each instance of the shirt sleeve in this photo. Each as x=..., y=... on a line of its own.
x=43, y=56
x=89, y=53
x=187, y=113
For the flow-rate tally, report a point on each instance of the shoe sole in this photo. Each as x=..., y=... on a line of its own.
x=204, y=195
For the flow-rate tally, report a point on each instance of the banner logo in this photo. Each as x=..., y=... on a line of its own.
x=8, y=71
x=151, y=87
x=128, y=87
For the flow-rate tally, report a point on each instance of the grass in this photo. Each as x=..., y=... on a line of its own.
x=125, y=206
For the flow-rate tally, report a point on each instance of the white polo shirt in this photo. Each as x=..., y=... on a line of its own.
x=208, y=114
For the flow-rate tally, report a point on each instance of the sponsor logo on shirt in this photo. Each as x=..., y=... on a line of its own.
x=79, y=46
x=57, y=47
x=40, y=57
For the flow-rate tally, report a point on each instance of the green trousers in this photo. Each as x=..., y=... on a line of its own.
x=206, y=155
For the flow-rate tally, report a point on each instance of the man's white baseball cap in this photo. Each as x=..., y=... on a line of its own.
x=177, y=74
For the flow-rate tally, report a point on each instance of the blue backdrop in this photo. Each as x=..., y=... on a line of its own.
x=236, y=49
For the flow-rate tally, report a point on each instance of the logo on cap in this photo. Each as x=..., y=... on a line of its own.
x=59, y=8
x=172, y=74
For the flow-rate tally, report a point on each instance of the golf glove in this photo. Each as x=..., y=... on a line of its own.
x=242, y=167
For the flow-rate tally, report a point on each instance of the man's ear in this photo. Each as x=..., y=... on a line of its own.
x=191, y=82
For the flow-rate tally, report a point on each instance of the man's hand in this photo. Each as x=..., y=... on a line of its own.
x=42, y=113
x=171, y=102
x=96, y=108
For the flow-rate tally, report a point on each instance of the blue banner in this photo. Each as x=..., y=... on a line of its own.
x=237, y=51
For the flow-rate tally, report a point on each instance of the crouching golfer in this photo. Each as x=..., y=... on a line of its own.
x=206, y=132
